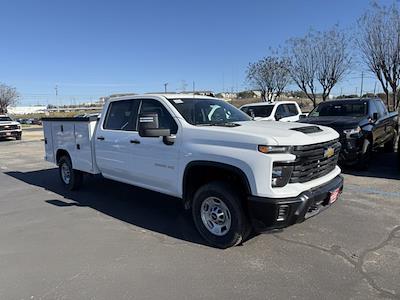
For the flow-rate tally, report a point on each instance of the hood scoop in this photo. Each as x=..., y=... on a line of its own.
x=307, y=129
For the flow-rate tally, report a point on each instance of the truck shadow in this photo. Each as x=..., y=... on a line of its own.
x=146, y=209
x=382, y=165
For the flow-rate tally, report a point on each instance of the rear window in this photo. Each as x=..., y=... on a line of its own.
x=343, y=109
x=258, y=111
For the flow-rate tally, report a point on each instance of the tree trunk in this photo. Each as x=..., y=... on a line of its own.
x=263, y=96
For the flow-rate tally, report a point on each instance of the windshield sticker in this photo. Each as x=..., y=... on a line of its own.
x=178, y=101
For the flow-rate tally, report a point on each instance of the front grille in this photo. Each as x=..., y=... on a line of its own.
x=311, y=161
x=8, y=127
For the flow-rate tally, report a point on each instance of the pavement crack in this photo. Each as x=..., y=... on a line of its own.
x=357, y=263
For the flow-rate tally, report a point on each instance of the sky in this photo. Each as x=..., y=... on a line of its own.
x=89, y=49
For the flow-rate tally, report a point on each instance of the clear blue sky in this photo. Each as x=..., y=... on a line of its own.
x=95, y=48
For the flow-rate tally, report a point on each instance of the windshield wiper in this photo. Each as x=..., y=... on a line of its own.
x=224, y=124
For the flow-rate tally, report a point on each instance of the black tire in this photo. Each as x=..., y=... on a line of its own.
x=75, y=177
x=389, y=146
x=18, y=137
x=239, y=224
x=365, y=159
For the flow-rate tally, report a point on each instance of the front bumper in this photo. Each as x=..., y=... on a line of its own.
x=352, y=150
x=266, y=213
x=10, y=133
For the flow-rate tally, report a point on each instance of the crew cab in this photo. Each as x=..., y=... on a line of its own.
x=233, y=173
x=286, y=111
x=9, y=128
x=363, y=124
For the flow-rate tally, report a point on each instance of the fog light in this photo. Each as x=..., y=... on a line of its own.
x=283, y=212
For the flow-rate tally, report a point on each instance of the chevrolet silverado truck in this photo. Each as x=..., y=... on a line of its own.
x=363, y=125
x=9, y=128
x=285, y=111
x=234, y=174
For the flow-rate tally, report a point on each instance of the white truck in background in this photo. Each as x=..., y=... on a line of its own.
x=235, y=174
x=285, y=111
x=10, y=128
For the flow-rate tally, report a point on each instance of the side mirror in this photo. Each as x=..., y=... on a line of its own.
x=278, y=117
x=148, y=126
x=374, y=116
x=302, y=116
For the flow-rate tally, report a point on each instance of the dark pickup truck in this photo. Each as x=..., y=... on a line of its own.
x=363, y=124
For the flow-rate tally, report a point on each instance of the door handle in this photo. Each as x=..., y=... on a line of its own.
x=135, y=141
x=101, y=138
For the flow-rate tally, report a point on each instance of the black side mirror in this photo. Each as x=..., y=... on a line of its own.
x=278, y=117
x=302, y=116
x=148, y=126
x=375, y=116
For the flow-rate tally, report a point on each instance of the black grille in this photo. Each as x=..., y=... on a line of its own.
x=311, y=161
x=8, y=127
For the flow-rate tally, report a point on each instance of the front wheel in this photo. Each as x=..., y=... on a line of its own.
x=71, y=179
x=219, y=216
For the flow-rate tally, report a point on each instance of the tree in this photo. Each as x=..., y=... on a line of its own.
x=270, y=75
x=379, y=43
x=318, y=57
x=8, y=96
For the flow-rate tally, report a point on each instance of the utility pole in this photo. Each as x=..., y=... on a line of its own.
x=362, y=82
x=56, y=89
x=165, y=87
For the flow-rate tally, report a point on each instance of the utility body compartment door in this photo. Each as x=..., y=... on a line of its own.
x=48, y=142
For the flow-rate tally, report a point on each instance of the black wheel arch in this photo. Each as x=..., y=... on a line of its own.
x=198, y=173
x=61, y=153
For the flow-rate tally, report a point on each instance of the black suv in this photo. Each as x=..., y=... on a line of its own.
x=363, y=124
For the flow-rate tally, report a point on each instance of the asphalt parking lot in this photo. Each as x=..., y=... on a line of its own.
x=114, y=241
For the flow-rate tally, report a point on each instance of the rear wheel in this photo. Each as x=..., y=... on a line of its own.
x=365, y=158
x=71, y=179
x=219, y=216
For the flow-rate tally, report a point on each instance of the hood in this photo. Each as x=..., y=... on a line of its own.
x=9, y=123
x=267, y=133
x=335, y=122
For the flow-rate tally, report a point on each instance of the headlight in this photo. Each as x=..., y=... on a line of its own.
x=273, y=149
x=281, y=174
x=352, y=131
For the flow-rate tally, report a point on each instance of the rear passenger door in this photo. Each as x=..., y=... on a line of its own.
x=291, y=112
x=115, y=140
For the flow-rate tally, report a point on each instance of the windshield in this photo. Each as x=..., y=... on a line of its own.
x=351, y=109
x=208, y=111
x=5, y=119
x=258, y=111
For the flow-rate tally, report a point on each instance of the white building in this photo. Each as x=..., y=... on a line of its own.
x=24, y=110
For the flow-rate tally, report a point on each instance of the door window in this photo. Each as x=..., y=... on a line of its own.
x=122, y=115
x=165, y=120
x=292, y=110
x=280, y=111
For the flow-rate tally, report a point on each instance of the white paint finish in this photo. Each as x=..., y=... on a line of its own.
x=275, y=105
x=159, y=167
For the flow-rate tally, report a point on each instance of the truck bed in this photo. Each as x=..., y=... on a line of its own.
x=75, y=135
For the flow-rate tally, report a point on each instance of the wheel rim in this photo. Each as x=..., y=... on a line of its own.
x=65, y=173
x=216, y=216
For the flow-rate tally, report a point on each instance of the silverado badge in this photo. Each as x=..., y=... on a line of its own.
x=329, y=152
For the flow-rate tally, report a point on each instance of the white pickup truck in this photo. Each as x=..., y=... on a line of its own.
x=9, y=128
x=285, y=111
x=235, y=174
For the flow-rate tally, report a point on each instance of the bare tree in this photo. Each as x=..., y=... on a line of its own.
x=321, y=57
x=8, y=96
x=379, y=42
x=270, y=75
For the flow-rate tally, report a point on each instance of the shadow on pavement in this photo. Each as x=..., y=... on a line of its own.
x=382, y=165
x=146, y=209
